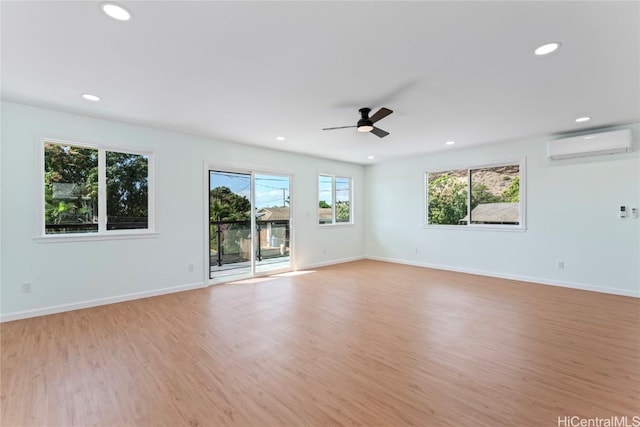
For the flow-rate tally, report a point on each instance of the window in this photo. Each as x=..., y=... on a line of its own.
x=127, y=191
x=70, y=189
x=89, y=189
x=481, y=196
x=334, y=200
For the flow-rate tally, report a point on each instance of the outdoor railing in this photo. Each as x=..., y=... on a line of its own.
x=92, y=227
x=230, y=241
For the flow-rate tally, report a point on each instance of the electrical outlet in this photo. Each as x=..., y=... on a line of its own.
x=191, y=266
x=416, y=250
x=324, y=251
x=560, y=264
x=26, y=287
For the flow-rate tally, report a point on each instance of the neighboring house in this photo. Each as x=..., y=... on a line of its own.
x=494, y=213
x=275, y=233
x=65, y=190
x=325, y=215
x=273, y=214
x=80, y=211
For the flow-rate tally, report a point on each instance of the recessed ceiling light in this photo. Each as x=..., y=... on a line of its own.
x=90, y=97
x=280, y=138
x=589, y=137
x=546, y=49
x=450, y=142
x=371, y=157
x=115, y=11
x=583, y=119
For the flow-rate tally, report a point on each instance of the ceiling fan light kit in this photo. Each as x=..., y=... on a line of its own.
x=365, y=124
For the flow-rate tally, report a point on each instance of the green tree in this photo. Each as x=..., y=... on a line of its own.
x=343, y=211
x=127, y=187
x=512, y=193
x=73, y=172
x=481, y=195
x=228, y=206
x=323, y=204
x=447, y=199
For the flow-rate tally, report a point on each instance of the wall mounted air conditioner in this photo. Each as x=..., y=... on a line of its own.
x=593, y=144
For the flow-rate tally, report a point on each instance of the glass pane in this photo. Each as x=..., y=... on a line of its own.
x=343, y=199
x=70, y=189
x=229, y=223
x=272, y=222
x=495, y=195
x=127, y=191
x=325, y=199
x=230, y=243
x=447, y=197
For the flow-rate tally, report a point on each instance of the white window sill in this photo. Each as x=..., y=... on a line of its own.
x=477, y=227
x=337, y=224
x=88, y=237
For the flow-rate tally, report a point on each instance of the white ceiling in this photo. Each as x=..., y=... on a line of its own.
x=250, y=71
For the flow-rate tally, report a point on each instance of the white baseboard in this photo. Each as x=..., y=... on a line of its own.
x=538, y=280
x=17, y=315
x=327, y=263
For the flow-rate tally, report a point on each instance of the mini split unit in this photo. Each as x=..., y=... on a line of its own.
x=593, y=144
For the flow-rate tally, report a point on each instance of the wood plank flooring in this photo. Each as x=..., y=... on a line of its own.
x=362, y=343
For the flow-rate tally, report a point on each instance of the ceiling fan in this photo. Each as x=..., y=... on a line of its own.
x=365, y=124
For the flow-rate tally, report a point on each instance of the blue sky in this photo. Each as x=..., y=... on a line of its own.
x=342, y=189
x=271, y=190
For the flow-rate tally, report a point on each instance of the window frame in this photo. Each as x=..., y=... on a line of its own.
x=103, y=233
x=334, y=204
x=521, y=227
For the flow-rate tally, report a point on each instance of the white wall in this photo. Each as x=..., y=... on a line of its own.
x=74, y=274
x=572, y=211
x=572, y=215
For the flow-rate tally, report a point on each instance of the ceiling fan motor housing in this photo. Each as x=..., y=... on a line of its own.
x=365, y=121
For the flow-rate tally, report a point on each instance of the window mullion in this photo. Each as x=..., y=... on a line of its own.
x=102, y=190
x=334, y=199
x=469, y=197
x=151, y=203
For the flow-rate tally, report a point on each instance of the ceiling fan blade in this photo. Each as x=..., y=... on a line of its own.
x=379, y=132
x=339, y=127
x=380, y=114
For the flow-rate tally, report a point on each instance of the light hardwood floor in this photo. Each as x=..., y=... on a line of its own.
x=363, y=343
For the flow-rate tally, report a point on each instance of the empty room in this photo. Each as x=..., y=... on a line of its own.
x=314, y=213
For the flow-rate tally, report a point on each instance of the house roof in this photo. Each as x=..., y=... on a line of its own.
x=273, y=214
x=495, y=213
x=65, y=190
x=282, y=213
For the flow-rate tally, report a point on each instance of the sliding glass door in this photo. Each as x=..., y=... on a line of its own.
x=273, y=222
x=249, y=224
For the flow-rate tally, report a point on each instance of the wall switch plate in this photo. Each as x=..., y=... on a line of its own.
x=634, y=213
